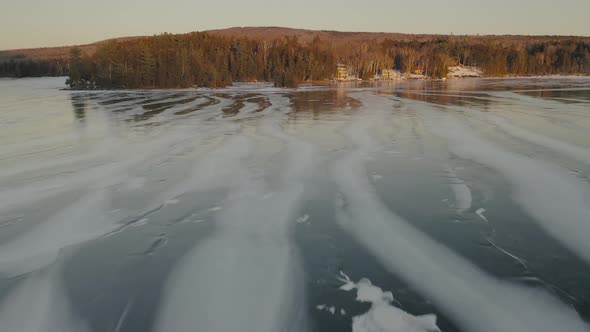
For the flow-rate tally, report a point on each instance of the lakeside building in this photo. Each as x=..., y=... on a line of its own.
x=341, y=72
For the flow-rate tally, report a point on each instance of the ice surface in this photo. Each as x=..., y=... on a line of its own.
x=516, y=258
x=114, y=170
x=123, y=316
x=220, y=168
x=472, y=299
x=85, y=219
x=555, y=200
x=237, y=183
x=570, y=150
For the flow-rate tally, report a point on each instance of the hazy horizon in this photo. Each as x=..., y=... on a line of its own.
x=67, y=22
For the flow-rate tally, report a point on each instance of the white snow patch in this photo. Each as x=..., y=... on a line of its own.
x=480, y=212
x=417, y=77
x=215, y=209
x=460, y=190
x=464, y=71
x=303, y=219
x=382, y=316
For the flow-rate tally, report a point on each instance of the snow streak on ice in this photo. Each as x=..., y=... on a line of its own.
x=39, y=304
x=247, y=276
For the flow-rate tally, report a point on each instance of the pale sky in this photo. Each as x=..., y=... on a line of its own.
x=37, y=23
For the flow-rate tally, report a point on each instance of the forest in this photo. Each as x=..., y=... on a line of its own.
x=201, y=59
x=21, y=67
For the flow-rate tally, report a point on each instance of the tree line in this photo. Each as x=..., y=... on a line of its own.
x=200, y=59
x=21, y=67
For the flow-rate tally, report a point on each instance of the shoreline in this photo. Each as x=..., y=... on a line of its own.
x=324, y=83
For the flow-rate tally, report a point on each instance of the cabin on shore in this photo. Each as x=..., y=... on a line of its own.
x=341, y=72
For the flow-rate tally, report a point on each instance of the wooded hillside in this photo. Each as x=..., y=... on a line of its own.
x=290, y=56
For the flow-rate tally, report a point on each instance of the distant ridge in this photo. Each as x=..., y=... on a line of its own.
x=273, y=32
x=57, y=52
x=305, y=35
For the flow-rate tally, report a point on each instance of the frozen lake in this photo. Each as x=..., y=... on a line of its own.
x=411, y=206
